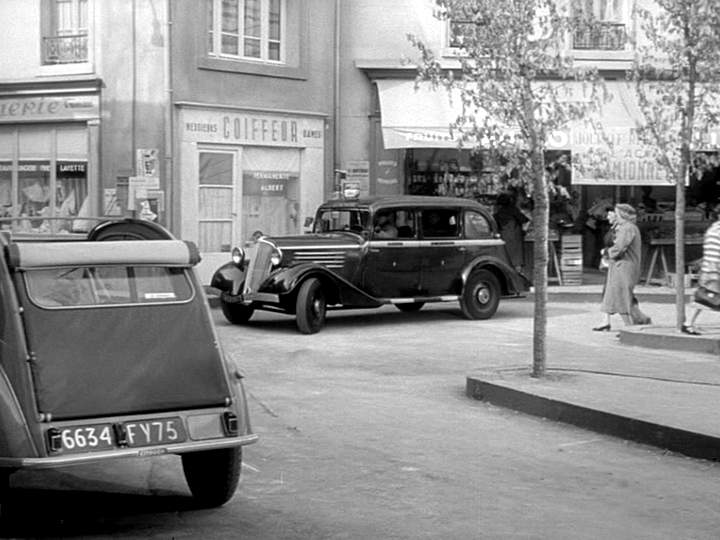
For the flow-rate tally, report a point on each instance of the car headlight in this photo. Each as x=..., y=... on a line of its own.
x=276, y=257
x=238, y=256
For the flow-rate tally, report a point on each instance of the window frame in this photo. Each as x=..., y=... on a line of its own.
x=214, y=33
x=93, y=284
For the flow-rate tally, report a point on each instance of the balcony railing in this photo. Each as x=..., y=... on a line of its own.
x=65, y=49
x=605, y=36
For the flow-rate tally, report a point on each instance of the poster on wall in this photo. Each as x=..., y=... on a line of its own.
x=357, y=177
x=147, y=163
x=387, y=177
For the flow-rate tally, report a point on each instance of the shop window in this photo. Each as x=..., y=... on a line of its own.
x=65, y=32
x=6, y=169
x=270, y=191
x=605, y=25
x=41, y=209
x=476, y=226
x=247, y=29
x=440, y=223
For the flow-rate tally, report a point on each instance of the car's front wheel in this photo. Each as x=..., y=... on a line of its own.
x=236, y=312
x=310, y=306
x=212, y=475
x=406, y=308
x=481, y=295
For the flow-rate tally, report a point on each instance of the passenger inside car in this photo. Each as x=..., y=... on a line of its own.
x=385, y=226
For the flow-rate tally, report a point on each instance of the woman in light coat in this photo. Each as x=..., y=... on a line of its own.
x=623, y=269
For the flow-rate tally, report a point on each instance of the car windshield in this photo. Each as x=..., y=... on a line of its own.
x=102, y=285
x=342, y=219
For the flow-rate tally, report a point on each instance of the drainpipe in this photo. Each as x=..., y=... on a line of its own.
x=169, y=123
x=336, y=96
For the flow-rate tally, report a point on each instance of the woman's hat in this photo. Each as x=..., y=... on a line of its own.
x=625, y=211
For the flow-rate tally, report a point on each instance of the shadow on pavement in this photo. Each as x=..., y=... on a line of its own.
x=33, y=512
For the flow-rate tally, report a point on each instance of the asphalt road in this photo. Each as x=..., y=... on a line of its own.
x=366, y=433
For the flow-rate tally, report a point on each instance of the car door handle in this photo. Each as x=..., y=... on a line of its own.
x=462, y=248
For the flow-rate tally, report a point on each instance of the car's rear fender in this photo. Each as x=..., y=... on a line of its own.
x=15, y=437
x=509, y=279
x=337, y=289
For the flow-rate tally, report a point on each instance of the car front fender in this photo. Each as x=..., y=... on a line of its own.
x=228, y=278
x=512, y=282
x=286, y=281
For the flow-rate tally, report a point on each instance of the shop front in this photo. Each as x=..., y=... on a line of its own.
x=590, y=168
x=245, y=172
x=49, y=155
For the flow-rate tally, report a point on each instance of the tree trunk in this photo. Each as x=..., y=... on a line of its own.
x=540, y=258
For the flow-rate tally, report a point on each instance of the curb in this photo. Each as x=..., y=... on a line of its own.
x=692, y=444
x=570, y=296
x=653, y=337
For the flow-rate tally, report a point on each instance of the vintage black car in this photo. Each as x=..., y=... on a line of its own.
x=402, y=250
x=108, y=350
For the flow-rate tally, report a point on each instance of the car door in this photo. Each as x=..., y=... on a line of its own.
x=443, y=252
x=480, y=239
x=392, y=268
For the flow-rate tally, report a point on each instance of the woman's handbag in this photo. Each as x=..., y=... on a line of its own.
x=707, y=298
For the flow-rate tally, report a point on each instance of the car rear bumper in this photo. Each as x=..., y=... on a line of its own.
x=147, y=451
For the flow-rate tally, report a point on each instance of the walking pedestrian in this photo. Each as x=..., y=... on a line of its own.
x=709, y=277
x=623, y=267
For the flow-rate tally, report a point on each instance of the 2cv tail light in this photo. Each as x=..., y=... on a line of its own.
x=54, y=439
x=230, y=423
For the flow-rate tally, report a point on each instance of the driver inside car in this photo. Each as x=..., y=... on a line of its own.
x=385, y=227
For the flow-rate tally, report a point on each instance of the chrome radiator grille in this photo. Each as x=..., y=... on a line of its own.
x=329, y=258
x=258, y=267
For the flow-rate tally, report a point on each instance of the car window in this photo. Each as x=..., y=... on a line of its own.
x=405, y=222
x=476, y=225
x=440, y=223
x=104, y=285
x=345, y=219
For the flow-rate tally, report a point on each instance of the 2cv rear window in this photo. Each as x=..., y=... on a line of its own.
x=107, y=285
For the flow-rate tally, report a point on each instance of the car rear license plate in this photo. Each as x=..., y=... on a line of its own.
x=153, y=431
x=87, y=438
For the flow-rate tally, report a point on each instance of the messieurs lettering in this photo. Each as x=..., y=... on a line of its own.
x=246, y=128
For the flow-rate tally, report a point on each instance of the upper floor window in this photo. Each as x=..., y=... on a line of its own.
x=65, y=32
x=605, y=27
x=247, y=29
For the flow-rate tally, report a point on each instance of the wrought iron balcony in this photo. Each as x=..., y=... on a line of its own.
x=65, y=49
x=605, y=36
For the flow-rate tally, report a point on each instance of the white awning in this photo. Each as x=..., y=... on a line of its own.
x=417, y=118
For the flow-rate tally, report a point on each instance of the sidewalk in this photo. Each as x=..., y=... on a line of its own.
x=649, y=384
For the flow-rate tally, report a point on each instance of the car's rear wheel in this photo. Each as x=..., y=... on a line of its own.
x=212, y=475
x=310, y=306
x=407, y=308
x=481, y=295
x=236, y=312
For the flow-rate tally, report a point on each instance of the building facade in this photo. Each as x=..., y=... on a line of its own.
x=399, y=133
x=213, y=118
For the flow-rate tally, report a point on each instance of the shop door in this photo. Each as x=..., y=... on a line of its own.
x=217, y=215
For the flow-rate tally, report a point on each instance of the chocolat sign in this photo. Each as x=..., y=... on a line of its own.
x=267, y=183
